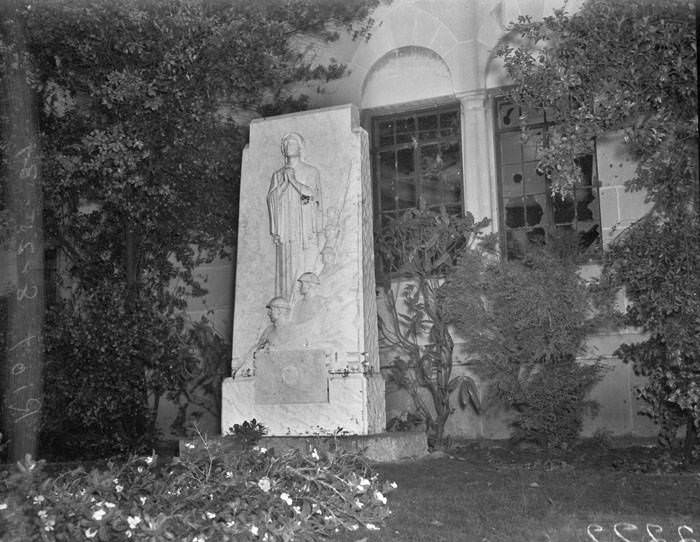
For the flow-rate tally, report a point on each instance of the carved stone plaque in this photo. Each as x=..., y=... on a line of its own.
x=292, y=376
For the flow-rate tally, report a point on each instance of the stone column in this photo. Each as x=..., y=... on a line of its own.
x=478, y=156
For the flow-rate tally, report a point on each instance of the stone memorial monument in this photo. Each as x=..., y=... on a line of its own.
x=305, y=348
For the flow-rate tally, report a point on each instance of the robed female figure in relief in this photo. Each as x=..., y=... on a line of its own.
x=296, y=216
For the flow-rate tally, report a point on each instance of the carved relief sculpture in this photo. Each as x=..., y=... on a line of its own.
x=310, y=305
x=296, y=216
x=276, y=334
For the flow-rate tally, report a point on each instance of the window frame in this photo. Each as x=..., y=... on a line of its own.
x=373, y=122
x=592, y=254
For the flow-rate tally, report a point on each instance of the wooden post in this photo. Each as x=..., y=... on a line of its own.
x=22, y=373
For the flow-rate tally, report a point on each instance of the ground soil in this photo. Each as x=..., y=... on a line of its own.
x=597, y=491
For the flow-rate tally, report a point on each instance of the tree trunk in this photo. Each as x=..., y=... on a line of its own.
x=22, y=378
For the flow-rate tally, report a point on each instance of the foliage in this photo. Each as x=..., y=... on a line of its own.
x=664, y=295
x=524, y=321
x=424, y=245
x=139, y=106
x=254, y=495
x=134, y=357
x=631, y=66
x=249, y=432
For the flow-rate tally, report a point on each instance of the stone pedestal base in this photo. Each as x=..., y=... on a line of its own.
x=354, y=406
x=381, y=447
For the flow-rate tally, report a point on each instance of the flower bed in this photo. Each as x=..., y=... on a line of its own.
x=254, y=495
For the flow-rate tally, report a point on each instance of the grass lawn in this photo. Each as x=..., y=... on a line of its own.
x=593, y=493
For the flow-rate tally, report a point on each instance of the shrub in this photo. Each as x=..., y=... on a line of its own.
x=423, y=246
x=524, y=322
x=255, y=495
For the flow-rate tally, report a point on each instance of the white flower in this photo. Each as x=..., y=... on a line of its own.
x=110, y=504
x=143, y=500
x=297, y=509
x=380, y=497
x=198, y=538
x=140, y=469
x=133, y=521
x=286, y=498
x=3, y=506
x=118, y=488
x=314, y=454
x=150, y=458
x=363, y=485
x=264, y=484
x=210, y=515
x=116, y=481
x=353, y=527
x=254, y=530
x=393, y=485
x=189, y=445
x=358, y=504
x=230, y=524
x=42, y=514
x=39, y=499
x=49, y=524
x=371, y=527
x=90, y=533
x=229, y=474
x=128, y=533
x=98, y=514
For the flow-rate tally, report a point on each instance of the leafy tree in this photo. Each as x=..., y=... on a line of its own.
x=139, y=104
x=632, y=66
x=424, y=246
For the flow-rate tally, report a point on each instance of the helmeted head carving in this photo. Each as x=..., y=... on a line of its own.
x=278, y=309
x=307, y=281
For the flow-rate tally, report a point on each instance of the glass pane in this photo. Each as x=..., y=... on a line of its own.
x=534, y=210
x=428, y=127
x=586, y=164
x=388, y=202
x=431, y=190
x=510, y=148
x=404, y=162
x=429, y=122
x=512, y=181
x=532, y=143
x=586, y=204
x=532, y=116
x=564, y=209
x=451, y=172
x=386, y=132
x=514, y=212
x=430, y=160
x=450, y=120
x=405, y=129
x=533, y=182
x=406, y=191
x=386, y=165
x=507, y=115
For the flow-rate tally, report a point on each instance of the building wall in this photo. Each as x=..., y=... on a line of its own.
x=426, y=53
